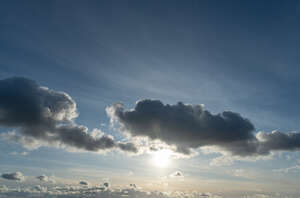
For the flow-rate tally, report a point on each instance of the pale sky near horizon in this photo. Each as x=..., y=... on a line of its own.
x=240, y=57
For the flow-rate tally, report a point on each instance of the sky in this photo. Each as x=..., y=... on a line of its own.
x=149, y=98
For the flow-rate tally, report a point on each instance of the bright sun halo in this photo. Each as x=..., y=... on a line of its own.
x=161, y=158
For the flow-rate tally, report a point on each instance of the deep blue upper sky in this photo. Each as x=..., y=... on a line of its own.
x=237, y=55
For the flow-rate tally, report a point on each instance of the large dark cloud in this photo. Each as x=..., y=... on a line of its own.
x=191, y=126
x=47, y=115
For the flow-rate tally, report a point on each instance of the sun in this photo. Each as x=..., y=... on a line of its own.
x=161, y=158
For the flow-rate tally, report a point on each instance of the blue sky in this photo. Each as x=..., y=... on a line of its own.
x=240, y=56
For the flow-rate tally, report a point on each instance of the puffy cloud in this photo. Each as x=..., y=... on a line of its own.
x=131, y=192
x=93, y=192
x=176, y=174
x=84, y=183
x=106, y=184
x=43, y=178
x=46, y=117
x=17, y=176
x=191, y=126
x=278, y=141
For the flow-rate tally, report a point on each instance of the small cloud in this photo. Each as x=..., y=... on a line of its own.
x=84, y=183
x=106, y=184
x=133, y=185
x=17, y=176
x=176, y=174
x=44, y=178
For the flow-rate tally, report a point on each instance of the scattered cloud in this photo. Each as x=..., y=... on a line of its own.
x=93, y=192
x=46, y=117
x=84, y=183
x=106, y=184
x=17, y=176
x=44, y=178
x=176, y=174
x=132, y=191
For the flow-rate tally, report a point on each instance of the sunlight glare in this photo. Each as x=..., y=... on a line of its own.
x=161, y=158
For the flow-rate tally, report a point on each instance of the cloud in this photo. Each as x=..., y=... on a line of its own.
x=190, y=127
x=44, y=178
x=66, y=191
x=176, y=174
x=46, y=117
x=106, y=184
x=17, y=176
x=93, y=192
x=84, y=183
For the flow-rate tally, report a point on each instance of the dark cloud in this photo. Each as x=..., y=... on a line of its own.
x=278, y=141
x=47, y=115
x=191, y=126
x=106, y=184
x=17, y=176
x=85, y=183
x=43, y=178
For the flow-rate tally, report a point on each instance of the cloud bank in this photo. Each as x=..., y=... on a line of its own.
x=43, y=116
x=191, y=126
x=95, y=192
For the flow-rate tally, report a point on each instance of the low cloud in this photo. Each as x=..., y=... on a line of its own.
x=176, y=174
x=106, y=184
x=94, y=192
x=46, y=117
x=17, y=176
x=131, y=192
x=189, y=127
x=84, y=183
x=44, y=178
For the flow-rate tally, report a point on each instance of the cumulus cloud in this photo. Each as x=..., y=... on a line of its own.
x=84, y=183
x=17, y=176
x=176, y=174
x=46, y=117
x=106, y=184
x=93, y=192
x=191, y=126
x=45, y=178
